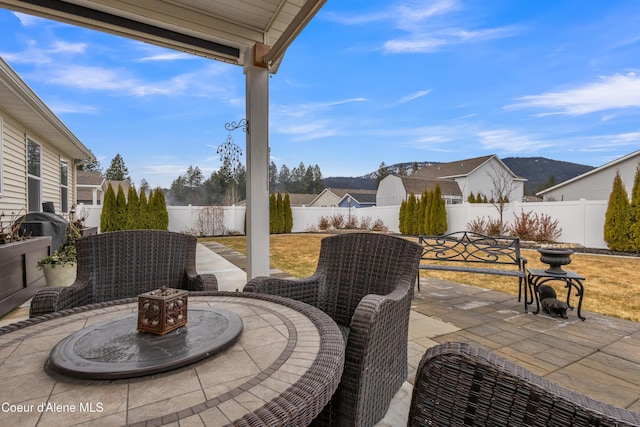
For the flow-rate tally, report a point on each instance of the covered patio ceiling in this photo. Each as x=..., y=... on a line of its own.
x=216, y=29
x=253, y=34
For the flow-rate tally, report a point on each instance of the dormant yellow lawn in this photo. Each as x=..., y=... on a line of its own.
x=612, y=286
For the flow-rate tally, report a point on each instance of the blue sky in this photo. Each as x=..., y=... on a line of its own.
x=366, y=82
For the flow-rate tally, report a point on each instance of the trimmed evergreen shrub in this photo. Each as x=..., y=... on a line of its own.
x=107, y=217
x=143, y=211
x=159, y=210
x=617, y=221
x=288, y=214
x=402, y=217
x=439, y=212
x=121, y=218
x=133, y=208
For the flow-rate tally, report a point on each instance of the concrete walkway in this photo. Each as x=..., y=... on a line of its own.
x=599, y=357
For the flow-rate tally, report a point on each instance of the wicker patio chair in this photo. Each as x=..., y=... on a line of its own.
x=462, y=384
x=124, y=264
x=364, y=281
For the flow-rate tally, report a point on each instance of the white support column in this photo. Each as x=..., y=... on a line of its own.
x=257, y=104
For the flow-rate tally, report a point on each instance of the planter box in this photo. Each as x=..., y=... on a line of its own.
x=21, y=277
x=88, y=231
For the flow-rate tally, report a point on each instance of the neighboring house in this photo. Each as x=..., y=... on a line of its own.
x=457, y=181
x=90, y=187
x=596, y=184
x=340, y=197
x=358, y=199
x=38, y=152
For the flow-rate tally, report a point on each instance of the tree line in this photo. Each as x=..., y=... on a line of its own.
x=426, y=214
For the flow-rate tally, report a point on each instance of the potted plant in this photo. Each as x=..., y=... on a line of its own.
x=60, y=267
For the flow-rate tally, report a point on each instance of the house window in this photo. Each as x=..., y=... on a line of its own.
x=34, y=180
x=64, y=186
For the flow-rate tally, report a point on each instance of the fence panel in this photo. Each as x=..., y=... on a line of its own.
x=582, y=222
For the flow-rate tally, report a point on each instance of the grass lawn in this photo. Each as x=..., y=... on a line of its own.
x=612, y=285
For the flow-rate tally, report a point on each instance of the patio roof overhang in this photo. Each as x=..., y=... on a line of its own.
x=218, y=29
x=253, y=34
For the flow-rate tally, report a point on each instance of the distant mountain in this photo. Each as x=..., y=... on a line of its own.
x=537, y=171
x=359, y=183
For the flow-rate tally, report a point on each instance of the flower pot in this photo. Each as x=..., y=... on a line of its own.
x=556, y=258
x=59, y=275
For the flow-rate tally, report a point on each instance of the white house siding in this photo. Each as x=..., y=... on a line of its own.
x=479, y=180
x=390, y=192
x=14, y=158
x=596, y=185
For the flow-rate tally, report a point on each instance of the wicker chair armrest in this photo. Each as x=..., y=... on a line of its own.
x=48, y=300
x=305, y=290
x=209, y=282
x=378, y=334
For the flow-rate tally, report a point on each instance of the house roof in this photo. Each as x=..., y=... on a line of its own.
x=299, y=199
x=219, y=29
x=452, y=169
x=89, y=179
x=592, y=172
x=341, y=192
x=18, y=100
x=417, y=185
x=361, y=196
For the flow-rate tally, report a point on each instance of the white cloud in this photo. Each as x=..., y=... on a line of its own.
x=508, y=141
x=426, y=26
x=413, y=96
x=168, y=56
x=611, y=92
x=65, y=108
x=28, y=20
x=60, y=46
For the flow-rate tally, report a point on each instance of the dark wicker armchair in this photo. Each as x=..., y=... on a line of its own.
x=364, y=281
x=462, y=384
x=124, y=264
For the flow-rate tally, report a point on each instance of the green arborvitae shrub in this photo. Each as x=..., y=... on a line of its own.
x=401, y=217
x=422, y=208
x=121, y=217
x=143, y=208
x=428, y=214
x=411, y=214
x=133, y=208
x=440, y=212
x=159, y=209
x=634, y=232
x=288, y=214
x=279, y=214
x=272, y=214
x=617, y=221
x=108, y=215
x=471, y=198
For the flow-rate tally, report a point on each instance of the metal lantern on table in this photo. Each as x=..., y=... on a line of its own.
x=162, y=310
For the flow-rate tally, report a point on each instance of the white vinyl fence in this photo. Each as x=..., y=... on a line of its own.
x=581, y=222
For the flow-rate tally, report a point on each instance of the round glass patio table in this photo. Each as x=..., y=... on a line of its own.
x=282, y=370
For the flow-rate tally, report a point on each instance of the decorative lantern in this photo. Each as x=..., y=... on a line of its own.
x=162, y=310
